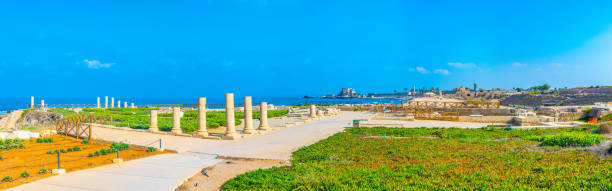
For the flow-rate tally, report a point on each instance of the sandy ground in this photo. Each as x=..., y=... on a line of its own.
x=225, y=170
x=9, y=121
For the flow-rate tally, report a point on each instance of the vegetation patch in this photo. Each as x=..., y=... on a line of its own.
x=606, y=118
x=19, y=166
x=489, y=158
x=569, y=139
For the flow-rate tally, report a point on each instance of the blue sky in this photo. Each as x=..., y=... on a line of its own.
x=296, y=48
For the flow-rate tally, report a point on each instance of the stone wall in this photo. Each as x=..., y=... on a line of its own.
x=531, y=121
x=487, y=119
x=569, y=116
x=480, y=111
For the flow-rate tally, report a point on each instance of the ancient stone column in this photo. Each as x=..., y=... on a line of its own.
x=248, y=115
x=32, y=102
x=42, y=105
x=202, y=131
x=133, y=105
x=263, y=116
x=153, y=125
x=105, y=101
x=112, y=102
x=313, y=111
x=98, y=105
x=176, y=120
x=230, y=125
x=125, y=104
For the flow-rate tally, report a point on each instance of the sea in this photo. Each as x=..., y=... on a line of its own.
x=15, y=103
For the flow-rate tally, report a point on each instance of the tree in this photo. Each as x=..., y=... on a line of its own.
x=475, y=86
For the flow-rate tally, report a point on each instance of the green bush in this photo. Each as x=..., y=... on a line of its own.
x=151, y=149
x=85, y=142
x=44, y=140
x=569, y=139
x=7, y=179
x=606, y=118
x=24, y=174
x=43, y=171
x=120, y=147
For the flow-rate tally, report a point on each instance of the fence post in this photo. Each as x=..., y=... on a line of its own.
x=160, y=145
x=90, y=126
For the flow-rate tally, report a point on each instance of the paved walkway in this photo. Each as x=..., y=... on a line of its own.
x=165, y=172
x=159, y=172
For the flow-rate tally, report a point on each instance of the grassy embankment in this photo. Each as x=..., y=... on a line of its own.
x=441, y=159
x=138, y=118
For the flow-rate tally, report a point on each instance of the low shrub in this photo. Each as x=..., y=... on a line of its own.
x=85, y=142
x=43, y=171
x=44, y=140
x=606, y=117
x=120, y=147
x=7, y=179
x=24, y=174
x=151, y=149
x=568, y=139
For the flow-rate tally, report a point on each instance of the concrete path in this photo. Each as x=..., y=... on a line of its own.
x=160, y=172
x=165, y=172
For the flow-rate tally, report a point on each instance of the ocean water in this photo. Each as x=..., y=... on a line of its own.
x=15, y=103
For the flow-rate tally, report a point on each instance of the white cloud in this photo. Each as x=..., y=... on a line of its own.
x=96, y=64
x=422, y=70
x=442, y=71
x=462, y=65
x=518, y=64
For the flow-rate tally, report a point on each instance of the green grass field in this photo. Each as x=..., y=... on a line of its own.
x=138, y=118
x=440, y=159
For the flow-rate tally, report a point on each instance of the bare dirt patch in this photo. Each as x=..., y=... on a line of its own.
x=225, y=170
x=33, y=158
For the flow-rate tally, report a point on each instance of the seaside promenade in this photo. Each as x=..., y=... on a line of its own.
x=168, y=171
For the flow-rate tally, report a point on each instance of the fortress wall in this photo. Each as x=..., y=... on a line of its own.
x=487, y=119
x=480, y=111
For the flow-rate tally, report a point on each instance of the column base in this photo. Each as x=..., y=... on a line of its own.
x=265, y=128
x=118, y=160
x=231, y=137
x=249, y=131
x=202, y=134
x=177, y=131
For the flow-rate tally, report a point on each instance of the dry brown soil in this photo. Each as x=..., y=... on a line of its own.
x=33, y=158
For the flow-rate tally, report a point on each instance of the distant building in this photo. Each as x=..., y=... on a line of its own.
x=348, y=92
